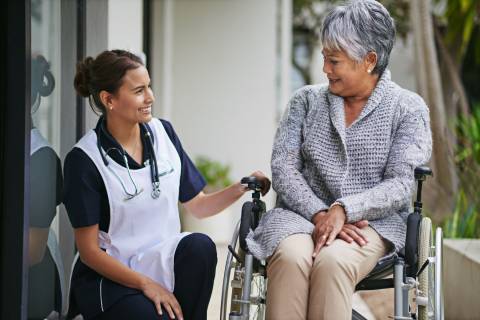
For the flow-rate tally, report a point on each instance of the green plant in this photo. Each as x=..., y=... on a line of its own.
x=468, y=132
x=216, y=174
x=467, y=155
x=465, y=221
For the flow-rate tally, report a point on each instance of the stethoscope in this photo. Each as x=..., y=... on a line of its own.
x=152, y=160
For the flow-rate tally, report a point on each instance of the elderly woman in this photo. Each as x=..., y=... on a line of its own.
x=342, y=166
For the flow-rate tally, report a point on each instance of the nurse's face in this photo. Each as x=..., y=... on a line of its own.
x=133, y=100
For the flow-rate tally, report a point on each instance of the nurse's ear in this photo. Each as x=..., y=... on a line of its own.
x=107, y=99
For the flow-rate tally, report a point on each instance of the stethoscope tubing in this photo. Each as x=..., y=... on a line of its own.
x=155, y=177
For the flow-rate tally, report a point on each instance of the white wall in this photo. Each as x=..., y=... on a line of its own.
x=125, y=25
x=222, y=79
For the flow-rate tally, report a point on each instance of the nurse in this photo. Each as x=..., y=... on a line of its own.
x=123, y=181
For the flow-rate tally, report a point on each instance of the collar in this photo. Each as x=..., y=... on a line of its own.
x=337, y=105
x=107, y=141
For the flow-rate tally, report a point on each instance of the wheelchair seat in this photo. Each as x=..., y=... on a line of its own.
x=377, y=278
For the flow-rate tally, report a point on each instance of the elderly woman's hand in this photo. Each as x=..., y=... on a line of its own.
x=327, y=226
x=352, y=232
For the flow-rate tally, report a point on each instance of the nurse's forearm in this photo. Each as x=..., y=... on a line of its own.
x=206, y=205
x=101, y=262
x=114, y=270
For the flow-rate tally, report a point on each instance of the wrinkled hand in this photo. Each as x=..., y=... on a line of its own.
x=263, y=179
x=352, y=232
x=327, y=226
x=162, y=297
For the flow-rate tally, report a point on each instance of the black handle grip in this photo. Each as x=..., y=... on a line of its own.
x=252, y=183
x=422, y=172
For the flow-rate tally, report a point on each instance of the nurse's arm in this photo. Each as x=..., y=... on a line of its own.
x=37, y=243
x=86, y=239
x=206, y=205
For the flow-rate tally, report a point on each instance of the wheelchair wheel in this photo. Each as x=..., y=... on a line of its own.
x=234, y=283
x=430, y=280
x=425, y=286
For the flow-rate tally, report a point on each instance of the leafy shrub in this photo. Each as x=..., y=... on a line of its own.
x=216, y=174
x=465, y=221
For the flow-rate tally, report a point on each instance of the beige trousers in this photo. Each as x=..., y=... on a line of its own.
x=302, y=288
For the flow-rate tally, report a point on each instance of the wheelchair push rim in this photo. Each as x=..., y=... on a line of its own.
x=439, y=302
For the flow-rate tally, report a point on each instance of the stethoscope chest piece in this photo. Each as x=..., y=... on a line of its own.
x=156, y=190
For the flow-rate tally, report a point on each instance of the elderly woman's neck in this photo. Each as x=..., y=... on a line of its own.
x=359, y=98
x=355, y=103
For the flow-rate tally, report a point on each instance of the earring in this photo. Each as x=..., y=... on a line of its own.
x=369, y=70
x=111, y=108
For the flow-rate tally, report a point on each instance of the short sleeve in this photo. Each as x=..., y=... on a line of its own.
x=191, y=180
x=83, y=189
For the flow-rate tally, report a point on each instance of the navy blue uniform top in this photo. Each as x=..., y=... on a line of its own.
x=86, y=200
x=85, y=196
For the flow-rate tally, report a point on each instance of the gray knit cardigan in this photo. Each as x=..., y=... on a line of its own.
x=368, y=167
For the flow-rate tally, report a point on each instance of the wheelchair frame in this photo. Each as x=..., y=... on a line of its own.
x=417, y=268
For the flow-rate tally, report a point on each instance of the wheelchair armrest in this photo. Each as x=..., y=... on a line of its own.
x=411, y=243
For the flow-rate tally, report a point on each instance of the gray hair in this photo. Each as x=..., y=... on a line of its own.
x=360, y=27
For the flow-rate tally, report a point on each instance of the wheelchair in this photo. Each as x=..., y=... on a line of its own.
x=415, y=273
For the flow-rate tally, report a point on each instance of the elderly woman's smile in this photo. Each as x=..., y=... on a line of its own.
x=347, y=77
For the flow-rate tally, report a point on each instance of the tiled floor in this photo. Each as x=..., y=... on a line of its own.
x=214, y=307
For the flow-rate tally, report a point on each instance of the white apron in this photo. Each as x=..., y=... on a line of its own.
x=143, y=232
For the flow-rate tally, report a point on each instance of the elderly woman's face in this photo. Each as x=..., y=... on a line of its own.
x=346, y=77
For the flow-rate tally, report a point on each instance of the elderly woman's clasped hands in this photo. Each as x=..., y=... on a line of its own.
x=331, y=224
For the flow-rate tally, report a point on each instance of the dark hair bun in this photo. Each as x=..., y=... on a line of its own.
x=43, y=82
x=82, y=78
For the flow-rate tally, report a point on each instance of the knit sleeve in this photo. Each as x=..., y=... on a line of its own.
x=411, y=147
x=287, y=161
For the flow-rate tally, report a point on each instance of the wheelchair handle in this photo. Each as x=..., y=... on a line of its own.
x=252, y=183
x=421, y=174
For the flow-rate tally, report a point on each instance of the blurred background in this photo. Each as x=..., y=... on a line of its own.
x=222, y=72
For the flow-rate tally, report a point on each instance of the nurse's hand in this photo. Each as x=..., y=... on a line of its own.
x=263, y=179
x=162, y=297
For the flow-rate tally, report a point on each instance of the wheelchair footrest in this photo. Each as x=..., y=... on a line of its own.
x=375, y=284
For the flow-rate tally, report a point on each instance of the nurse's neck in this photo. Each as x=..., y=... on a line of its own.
x=126, y=133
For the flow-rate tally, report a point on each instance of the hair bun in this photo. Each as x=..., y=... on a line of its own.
x=82, y=78
x=43, y=81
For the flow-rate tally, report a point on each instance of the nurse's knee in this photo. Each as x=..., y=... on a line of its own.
x=201, y=247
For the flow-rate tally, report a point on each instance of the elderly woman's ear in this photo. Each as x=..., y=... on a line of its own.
x=370, y=61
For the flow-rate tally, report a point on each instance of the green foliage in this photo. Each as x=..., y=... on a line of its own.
x=465, y=221
x=460, y=19
x=308, y=14
x=216, y=174
x=468, y=133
